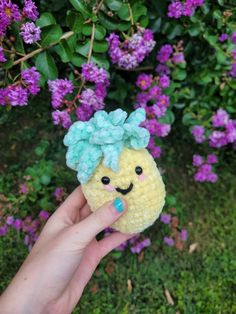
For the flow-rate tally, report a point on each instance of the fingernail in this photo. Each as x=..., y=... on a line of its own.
x=118, y=205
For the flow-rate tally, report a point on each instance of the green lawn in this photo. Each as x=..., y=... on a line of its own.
x=201, y=282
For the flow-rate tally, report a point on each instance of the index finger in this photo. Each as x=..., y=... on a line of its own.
x=69, y=210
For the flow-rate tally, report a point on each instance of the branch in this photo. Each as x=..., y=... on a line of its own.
x=91, y=43
x=35, y=52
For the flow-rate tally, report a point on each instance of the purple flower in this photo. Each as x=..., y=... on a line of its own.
x=144, y=81
x=89, y=98
x=154, y=149
x=30, y=10
x=218, y=139
x=30, y=32
x=3, y=96
x=205, y=173
x=58, y=193
x=197, y=160
x=17, y=95
x=169, y=241
x=43, y=215
x=220, y=118
x=165, y=218
x=31, y=78
x=9, y=12
x=3, y=230
x=10, y=220
x=234, y=54
x=184, y=235
x=155, y=92
x=23, y=188
x=59, y=89
x=162, y=69
x=132, y=51
x=17, y=224
x=2, y=57
x=223, y=37
x=122, y=246
x=61, y=118
x=232, y=72
x=140, y=245
x=164, y=53
x=156, y=128
x=164, y=81
x=84, y=112
x=231, y=131
x=92, y=73
x=198, y=133
x=175, y=9
x=233, y=38
x=212, y=159
x=178, y=58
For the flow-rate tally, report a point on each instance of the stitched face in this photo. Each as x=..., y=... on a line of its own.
x=138, y=181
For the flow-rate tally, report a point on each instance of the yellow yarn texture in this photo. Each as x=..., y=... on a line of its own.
x=145, y=200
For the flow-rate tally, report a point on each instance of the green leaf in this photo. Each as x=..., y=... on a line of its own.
x=100, y=46
x=83, y=49
x=144, y=20
x=50, y=34
x=124, y=13
x=100, y=61
x=179, y=74
x=81, y=7
x=78, y=60
x=100, y=32
x=8, y=64
x=114, y=5
x=138, y=10
x=87, y=29
x=45, y=64
x=18, y=44
x=175, y=31
x=45, y=19
x=107, y=22
x=169, y=117
x=74, y=21
x=64, y=51
x=123, y=26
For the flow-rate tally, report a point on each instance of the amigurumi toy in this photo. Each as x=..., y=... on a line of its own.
x=108, y=152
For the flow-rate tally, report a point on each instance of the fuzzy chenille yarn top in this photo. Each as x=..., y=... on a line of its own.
x=108, y=152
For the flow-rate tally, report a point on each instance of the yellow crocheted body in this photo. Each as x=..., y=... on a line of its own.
x=144, y=193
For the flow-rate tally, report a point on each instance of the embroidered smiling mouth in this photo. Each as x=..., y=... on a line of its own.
x=125, y=191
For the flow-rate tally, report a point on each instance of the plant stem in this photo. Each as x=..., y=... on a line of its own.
x=131, y=15
x=91, y=43
x=144, y=68
x=37, y=51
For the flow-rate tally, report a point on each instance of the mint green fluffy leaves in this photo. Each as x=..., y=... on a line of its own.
x=103, y=137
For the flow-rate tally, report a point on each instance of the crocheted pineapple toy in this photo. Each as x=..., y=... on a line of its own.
x=108, y=152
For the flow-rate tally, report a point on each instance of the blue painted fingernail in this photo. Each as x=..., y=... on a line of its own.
x=118, y=205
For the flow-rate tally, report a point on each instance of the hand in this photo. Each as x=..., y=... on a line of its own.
x=53, y=277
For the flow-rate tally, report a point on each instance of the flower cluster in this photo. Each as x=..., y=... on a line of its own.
x=223, y=130
x=10, y=12
x=204, y=168
x=177, y=9
x=136, y=244
x=130, y=53
x=30, y=32
x=152, y=96
x=223, y=38
x=177, y=235
x=90, y=99
x=17, y=94
x=29, y=226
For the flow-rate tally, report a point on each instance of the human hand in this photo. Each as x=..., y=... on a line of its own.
x=53, y=277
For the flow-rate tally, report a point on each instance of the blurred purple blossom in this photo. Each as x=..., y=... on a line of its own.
x=30, y=32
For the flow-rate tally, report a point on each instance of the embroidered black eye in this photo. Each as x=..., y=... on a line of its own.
x=105, y=180
x=138, y=170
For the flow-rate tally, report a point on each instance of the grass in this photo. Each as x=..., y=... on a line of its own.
x=201, y=282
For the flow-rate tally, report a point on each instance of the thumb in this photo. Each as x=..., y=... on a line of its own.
x=102, y=218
